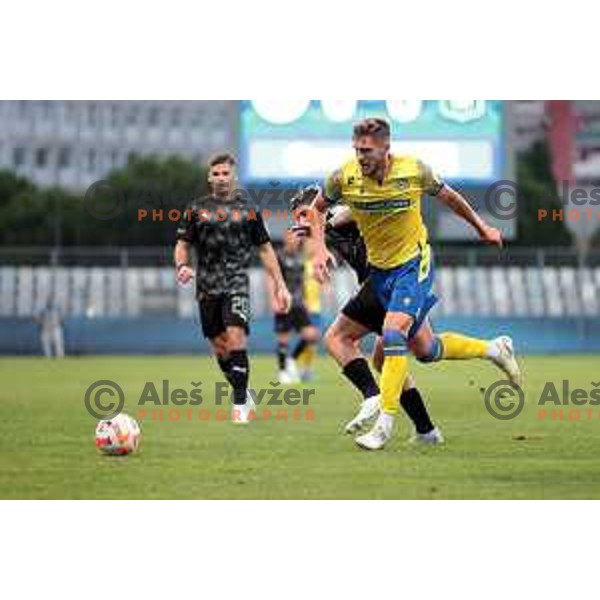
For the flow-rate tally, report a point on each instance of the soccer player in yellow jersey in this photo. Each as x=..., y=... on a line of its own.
x=384, y=193
x=312, y=301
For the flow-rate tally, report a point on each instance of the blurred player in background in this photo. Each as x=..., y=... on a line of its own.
x=50, y=321
x=292, y=261
x=384, y=194
x=343, y=238
x=312, y=301
x=223, y=253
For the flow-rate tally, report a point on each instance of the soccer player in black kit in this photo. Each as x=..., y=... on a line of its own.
x=344, y=240
x=224, y=230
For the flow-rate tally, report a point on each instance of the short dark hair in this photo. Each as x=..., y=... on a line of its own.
x=375, y=127
x=304, y=197
x=222, y=159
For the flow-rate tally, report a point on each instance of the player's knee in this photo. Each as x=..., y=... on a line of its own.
x=220, y=352
x=219, y=345
x=336, y=340
x=394, y=343
x=236, y=339
x=433, y=353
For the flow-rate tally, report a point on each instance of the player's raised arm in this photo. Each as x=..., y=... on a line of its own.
x=281, y=296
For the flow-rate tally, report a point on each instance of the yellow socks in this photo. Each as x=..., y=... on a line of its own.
x=395, y=370
x=307, y=357
x=457, y=347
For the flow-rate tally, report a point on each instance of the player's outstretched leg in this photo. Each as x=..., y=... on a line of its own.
x=428, y=347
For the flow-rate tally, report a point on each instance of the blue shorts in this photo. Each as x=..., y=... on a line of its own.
x=315, y=319
x=407, y=289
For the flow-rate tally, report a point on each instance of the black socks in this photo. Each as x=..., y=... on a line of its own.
x=282, y=352
x=225, y=364
x=239, y=370
x=412, y=403
x=299, y=349
x=359, y=373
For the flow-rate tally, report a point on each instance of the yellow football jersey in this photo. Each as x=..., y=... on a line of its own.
x=388, y=215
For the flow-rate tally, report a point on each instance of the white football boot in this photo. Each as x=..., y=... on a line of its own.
x=240, y=412
x=250, y=401
x=431, y=438
x=284, y=378
x=377, y=438
x=292, y=370
x=368, y=409
x=502, y=354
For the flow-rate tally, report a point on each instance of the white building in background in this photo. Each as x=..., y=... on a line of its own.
x=529, y=122
x=74, y=143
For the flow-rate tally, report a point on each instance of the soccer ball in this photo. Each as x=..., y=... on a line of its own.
x=118, y=436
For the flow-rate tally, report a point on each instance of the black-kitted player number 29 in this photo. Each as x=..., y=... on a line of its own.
x=240, y=305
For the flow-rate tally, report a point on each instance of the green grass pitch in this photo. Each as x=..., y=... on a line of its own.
x=47, y=438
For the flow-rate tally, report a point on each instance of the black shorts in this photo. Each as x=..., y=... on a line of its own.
x=366, y=309
x=295, y=320
x=219, y=312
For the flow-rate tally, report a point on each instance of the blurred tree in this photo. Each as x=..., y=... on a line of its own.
x=537, y=190
x=11, y=185
x=53, y=216
x=156, y=186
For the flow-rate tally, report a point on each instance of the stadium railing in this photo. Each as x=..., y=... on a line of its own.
x=462, y=256
x=138, y=281
x=546, y=295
